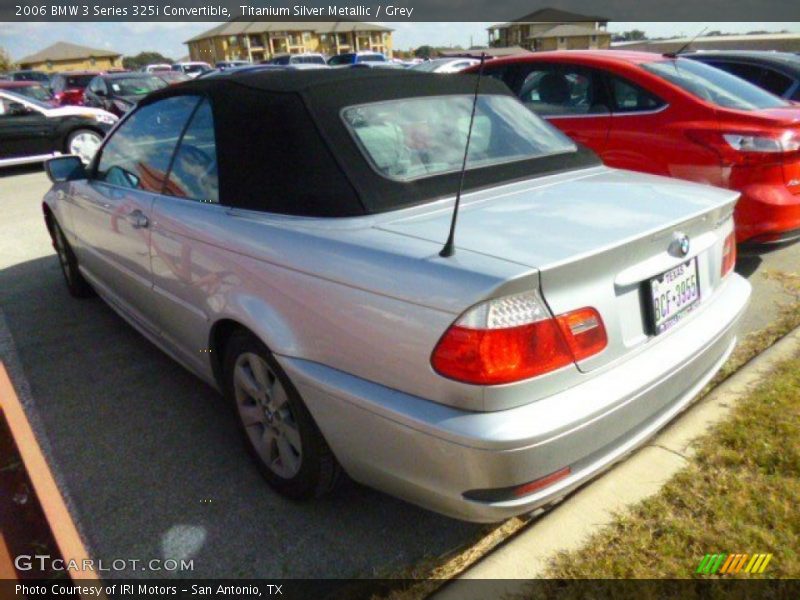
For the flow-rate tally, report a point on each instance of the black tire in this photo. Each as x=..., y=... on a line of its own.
x=77, y=286
x=318, y=469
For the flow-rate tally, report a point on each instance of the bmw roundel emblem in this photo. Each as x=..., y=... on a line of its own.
x=680, y=244
x=684, y=244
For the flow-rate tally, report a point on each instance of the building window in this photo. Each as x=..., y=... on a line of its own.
x=92, y=61
x=594, y=39
x=562, y=40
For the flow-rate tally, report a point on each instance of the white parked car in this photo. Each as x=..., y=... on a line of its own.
x=446, y=65
x=192, y=68
x=154, y=68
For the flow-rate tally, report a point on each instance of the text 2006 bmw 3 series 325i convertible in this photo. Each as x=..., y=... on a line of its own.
x=292, y=222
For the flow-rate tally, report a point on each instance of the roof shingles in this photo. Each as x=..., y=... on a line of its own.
x=65, y=51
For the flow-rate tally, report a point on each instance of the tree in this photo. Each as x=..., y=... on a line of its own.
x=424, y=52
x=145, y=58
x=634, y=35
x=6, y=64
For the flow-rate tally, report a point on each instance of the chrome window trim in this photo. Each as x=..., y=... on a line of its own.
x=627, y=113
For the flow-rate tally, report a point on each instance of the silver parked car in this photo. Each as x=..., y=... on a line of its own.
x=279, y=233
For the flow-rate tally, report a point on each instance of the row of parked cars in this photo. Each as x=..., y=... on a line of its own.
x=290, y=236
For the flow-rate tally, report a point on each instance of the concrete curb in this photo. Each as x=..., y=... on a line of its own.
x=568, y=526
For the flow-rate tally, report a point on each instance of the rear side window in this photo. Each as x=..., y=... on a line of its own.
x=775, y=82
x=563, y=90
x=713, y=85
x=769, y=79
x=413, y=138
x=630, y=97
x=194, y=169
x=138, y=154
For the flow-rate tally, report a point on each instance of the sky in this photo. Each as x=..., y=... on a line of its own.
x=21, y=39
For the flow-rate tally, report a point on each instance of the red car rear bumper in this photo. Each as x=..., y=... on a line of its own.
x=767, y=214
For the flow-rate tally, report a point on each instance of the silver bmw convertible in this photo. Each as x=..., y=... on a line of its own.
x=280, y=234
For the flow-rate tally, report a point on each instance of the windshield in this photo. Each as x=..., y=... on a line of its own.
x=136, y=86
x=371, y=58
x=713, y=85
x=195, y=68
x=420, y=137
x=37, y=92
x=312, y=59
x=31, y=76
x=79, y=81
x=16, y=96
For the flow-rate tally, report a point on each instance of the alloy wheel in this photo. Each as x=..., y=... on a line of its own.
x=264, y=409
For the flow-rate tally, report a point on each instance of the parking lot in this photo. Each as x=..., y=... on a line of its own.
x=149, y=457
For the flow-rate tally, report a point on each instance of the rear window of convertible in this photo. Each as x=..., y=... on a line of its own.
x=409, y=139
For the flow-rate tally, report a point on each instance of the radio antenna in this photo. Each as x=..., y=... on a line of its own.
x=687, y=44
x=449, y=245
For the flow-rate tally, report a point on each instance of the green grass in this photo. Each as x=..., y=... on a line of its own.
x=738, y=495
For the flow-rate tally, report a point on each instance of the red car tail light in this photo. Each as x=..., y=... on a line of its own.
x=728, y=254
x=748, y=146
x=514, y=338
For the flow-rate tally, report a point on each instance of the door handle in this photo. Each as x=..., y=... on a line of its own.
x=137, y=219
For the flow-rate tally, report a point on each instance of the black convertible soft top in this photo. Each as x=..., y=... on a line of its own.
x=282, y=145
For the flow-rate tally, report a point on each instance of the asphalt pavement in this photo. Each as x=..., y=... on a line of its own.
x=150, y=458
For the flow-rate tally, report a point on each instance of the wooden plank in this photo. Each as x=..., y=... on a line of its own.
x=7, y=570
x=55, y=508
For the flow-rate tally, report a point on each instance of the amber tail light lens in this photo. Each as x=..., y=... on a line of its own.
x=515, y=337
x=728, y=254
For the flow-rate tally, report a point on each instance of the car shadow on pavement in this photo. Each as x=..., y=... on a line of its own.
x=154, y=468
x=21, y=170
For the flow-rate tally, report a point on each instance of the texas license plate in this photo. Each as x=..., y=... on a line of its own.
x=674, y=294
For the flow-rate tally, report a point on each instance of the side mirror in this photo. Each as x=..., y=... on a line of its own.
x=65, y=168
x=17, y=109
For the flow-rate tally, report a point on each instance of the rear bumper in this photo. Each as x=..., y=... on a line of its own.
x=431, y=454
x=767, y=214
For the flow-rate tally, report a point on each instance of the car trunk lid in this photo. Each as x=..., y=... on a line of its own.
x=596, y=237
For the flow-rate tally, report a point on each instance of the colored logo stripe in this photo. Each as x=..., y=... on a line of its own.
x=730, y=564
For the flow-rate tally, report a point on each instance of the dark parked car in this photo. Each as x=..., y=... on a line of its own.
x=32, y=131
x=776, y=72
x=29, y=89
x=119, y=92
x=26, y=75
x=68, y=88
x=172, y=77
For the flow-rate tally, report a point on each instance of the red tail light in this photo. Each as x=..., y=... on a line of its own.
x=513, y=338
x=748, y=147
x=728, y=254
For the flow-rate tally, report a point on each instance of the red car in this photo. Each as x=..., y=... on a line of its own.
x=676, y=117
x=68, y=87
